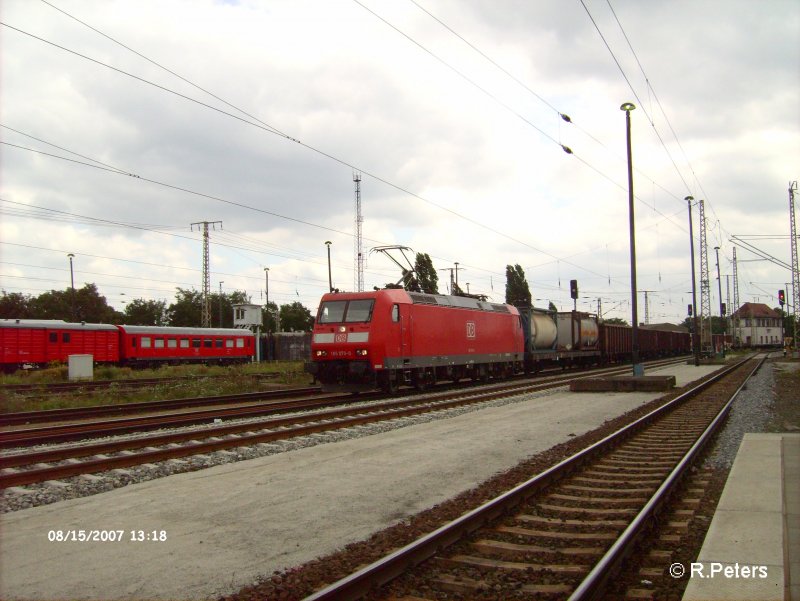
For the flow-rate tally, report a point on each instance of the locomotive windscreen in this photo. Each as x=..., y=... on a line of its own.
x=354, y=311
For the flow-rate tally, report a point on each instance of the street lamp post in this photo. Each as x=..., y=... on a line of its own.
x=330, y=279
x=638, y=368
x=695, y=328
x=71, y=287
x=266, y=303
x=220, y=303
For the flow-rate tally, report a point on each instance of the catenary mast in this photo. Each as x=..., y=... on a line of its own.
x=705, y=286
x=205, y=314
x=359, y=243
x=795, y=274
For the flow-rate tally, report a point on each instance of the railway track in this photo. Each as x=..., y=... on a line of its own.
x=22, y=467
x=565, y=532
x=64, y=415
x=85, y=386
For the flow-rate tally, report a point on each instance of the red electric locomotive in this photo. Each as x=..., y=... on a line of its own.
x=389, y=338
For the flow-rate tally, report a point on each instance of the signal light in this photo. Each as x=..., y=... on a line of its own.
x=781, y=297
x=689, y=309
x=573, y=289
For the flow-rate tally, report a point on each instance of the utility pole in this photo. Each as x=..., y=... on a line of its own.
x=359, y=250
x=205, y=313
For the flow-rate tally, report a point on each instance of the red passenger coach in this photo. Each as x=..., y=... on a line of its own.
x=149, y=345
x=388, y=338
x=37, y=342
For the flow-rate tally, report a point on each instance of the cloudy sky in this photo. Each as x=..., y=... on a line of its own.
x=124, y=122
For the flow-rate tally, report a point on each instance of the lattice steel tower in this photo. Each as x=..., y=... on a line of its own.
x=359, y=243
x=795, y=273
x=205, y=312
x=736, y=319
x=705, y=287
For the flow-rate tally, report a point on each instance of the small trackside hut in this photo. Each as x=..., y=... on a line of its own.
x=389, y=338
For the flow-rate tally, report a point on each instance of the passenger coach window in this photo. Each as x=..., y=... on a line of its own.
x=53, y=337
x=359, y=310
x=145, y=341
x=218, y=342
x=184, y=343
x=207, y=342
x=172, y=343
x=228, y=343
x=240, y=343
x=65, y=337
x=159, y=343
x=195, y=342
x=332, y=312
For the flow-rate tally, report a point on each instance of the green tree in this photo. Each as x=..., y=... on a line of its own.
x=296, y=318
x=85, y=304
x=427, y=277
x=142, y=312
x=617, y=321
x=517, y=290
x=15, y=306
x=269, y=317
x=187, y=309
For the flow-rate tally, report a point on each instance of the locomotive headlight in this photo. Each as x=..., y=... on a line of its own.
x=321, y=353
x=362, y=352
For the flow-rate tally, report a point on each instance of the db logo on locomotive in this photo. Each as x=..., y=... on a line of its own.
x=470, y=329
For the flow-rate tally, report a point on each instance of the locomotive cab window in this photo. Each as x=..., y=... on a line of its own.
x=359, y=310
x=332, y=312
x=395, y=313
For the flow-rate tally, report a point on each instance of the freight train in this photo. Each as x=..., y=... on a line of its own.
x=36, y=342
x=390, y=338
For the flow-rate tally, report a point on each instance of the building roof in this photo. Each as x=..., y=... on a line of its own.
x=749, y=310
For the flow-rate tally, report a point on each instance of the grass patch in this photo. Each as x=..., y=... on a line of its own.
x=197, y=381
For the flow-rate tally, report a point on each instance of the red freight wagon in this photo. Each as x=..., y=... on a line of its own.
x=391, y=337
x=40, y=341
x=145, y=345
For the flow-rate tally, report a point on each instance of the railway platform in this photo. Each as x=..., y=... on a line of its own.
x=752, y=549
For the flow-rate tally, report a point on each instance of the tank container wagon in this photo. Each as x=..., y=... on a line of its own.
x=389, y=338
